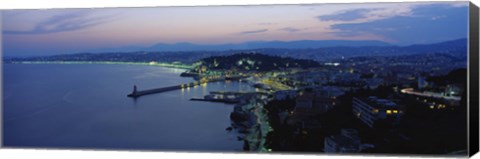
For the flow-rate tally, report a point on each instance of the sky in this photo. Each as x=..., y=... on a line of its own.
x=59, y=31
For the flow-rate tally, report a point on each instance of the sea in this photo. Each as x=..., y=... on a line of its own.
x=85, y=106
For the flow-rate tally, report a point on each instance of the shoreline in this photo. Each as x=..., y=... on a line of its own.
x=167, y=65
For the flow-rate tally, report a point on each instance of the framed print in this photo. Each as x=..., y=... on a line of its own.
x=353, y=78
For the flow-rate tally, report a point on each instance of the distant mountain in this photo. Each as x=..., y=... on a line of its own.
x=455, y=49
x=119, y=49
x=313, y=44
x=303, y=44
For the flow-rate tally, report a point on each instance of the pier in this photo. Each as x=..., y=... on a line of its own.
x=136, y=93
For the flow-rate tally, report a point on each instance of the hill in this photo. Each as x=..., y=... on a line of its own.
x=254, y=62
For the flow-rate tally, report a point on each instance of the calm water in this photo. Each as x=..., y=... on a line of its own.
x=85, y=106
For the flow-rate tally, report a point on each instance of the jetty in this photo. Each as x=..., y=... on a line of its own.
x=136, y=93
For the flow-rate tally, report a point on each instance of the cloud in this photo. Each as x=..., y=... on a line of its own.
x=438, y=17
x=347, y=33
x=254, y=31
x=348, y=15
x=292, y=29
x=425, y=23
x=457, y=4
x=62, y=23
x=15, y=13
x=266, y=23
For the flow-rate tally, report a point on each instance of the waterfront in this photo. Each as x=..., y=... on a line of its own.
x=85, y=106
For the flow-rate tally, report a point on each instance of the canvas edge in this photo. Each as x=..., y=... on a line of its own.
x=473, y=83
x=1, y=81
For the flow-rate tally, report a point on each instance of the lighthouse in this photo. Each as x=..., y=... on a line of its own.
x=134, y=89
x=134, y=93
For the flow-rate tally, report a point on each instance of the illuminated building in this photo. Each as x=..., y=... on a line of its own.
x=370, y=110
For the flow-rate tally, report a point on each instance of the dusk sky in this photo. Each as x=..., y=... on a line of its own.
x=58, y=31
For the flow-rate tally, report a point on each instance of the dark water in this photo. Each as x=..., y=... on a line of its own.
x=85, y=106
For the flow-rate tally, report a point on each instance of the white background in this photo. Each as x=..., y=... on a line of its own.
x=80, y=154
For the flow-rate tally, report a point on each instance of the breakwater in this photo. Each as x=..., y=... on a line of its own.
x=136, y=94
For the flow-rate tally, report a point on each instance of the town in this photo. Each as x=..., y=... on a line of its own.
x=393, y=103
x=400, y=104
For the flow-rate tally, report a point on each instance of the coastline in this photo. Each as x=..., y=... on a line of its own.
x=167, y=65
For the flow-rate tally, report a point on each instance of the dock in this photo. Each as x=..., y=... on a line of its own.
x=227, y=97
x=216, y=100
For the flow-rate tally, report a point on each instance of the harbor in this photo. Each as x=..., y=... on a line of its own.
x=227, y=97
x=136, y=93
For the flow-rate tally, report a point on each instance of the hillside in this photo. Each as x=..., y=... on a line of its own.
x=254, y=61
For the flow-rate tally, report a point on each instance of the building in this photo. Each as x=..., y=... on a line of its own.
x=329, y=91
x=285, y=94
x=347, y=142
x=373, y=83
x=372, y=109
x=454, y=90
x=308, y=104
x=304, y=102
x=315, y=102
x=421, y=82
